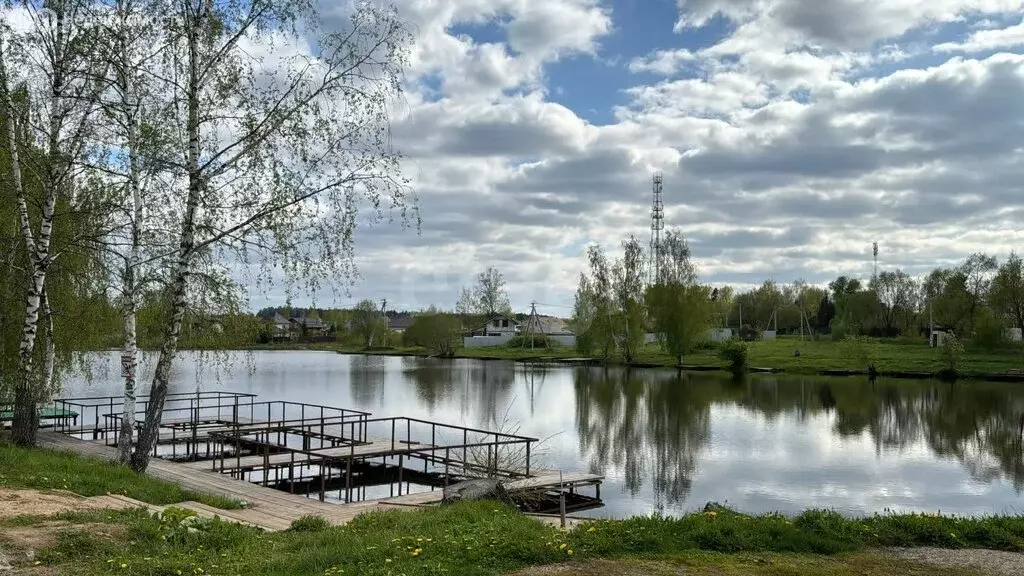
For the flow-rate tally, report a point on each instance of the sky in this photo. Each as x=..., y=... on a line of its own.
x=791, y=134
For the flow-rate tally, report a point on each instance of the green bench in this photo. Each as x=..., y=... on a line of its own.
x=6, y=415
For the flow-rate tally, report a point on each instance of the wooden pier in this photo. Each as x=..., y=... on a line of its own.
x=288, y=460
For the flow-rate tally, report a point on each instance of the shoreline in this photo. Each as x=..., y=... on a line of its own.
x=570, y=359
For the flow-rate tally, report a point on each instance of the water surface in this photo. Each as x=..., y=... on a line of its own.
x=672, y=443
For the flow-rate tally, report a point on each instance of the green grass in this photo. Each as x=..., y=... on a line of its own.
x=485, y=538
x=53, y=470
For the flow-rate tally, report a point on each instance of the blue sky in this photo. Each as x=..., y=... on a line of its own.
x=791, y=134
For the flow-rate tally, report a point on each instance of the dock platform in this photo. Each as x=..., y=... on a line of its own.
x=287, y=460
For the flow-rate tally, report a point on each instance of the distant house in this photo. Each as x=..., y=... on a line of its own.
x=280, y=327
x=308, y=326
x=497, y=325
x=400, y=323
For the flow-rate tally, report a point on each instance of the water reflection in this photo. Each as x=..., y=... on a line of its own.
x=673, y=442
x=654, y=425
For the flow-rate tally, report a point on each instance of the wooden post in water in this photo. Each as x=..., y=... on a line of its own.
x=561, y=500
x=348, y=480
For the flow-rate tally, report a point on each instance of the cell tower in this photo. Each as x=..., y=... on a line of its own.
x=657, y=225
x=874, y=252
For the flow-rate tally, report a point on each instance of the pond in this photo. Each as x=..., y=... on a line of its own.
x=669, y=442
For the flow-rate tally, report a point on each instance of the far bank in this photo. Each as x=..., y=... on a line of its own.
x=892, y=357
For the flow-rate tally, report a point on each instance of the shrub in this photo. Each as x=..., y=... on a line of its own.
x=864, y=351
x=534, y=341
x=951, y=356
x=734, y=353
x=747, y=333
x=705, y=345
x=310, y=523
x=839, y=330
x=438, y=332
x=989, y=332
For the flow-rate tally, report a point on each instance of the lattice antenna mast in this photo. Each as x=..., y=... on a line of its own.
x=874, y=252
x=657, y=225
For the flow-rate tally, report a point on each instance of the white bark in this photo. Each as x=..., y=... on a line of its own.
x=65, y=98
x=50, y=356
x=127, y=108
x=149, y=434
x=25, y=416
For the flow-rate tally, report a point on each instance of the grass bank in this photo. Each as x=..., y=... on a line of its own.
x=53, y=470
x=470, y=539
x=890, y=356
x=485, y=538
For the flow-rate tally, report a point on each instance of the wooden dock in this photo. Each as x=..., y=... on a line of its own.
x=274, y=509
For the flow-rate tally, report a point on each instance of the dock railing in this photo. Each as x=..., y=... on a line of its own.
x=95, y=413
x=470, y=451
x=341, y=426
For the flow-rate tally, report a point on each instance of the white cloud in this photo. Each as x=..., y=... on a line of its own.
x=787, y=147
x=664, y=62
x=992, y=39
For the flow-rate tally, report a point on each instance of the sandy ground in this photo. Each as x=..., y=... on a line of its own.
x=48, y=503
x=991, y=562
x=18, y=545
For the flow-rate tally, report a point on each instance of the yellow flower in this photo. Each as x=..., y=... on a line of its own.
x=416, y=552
x=562, y=547
x=123, y=565
x=569, y=552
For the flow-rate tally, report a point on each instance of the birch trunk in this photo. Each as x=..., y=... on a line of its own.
x=27, y=386
x=23, y=426
x=50, y=357
x=131, y=350
x=131, y=271
x=149, y=434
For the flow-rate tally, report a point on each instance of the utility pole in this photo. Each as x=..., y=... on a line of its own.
x=383, y=313
x=532, y=325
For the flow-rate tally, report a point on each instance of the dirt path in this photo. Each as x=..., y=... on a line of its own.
x=988, y=562
x=751, y=564
x=19, y=544
x=39, y=503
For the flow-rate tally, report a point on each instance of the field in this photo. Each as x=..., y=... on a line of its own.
x=890, y=355
x=472, y=539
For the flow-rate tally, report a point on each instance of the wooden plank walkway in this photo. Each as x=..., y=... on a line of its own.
x=374, y=449
x=273, y=509
x=546, y=479
x=266, y=507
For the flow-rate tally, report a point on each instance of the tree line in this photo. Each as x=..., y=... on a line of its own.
x=618, y=304
x=156, y=154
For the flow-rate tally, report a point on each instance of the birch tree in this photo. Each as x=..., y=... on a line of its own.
x=133, y=41
x=55, y=57
x=283, y=126
x=628, y=292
